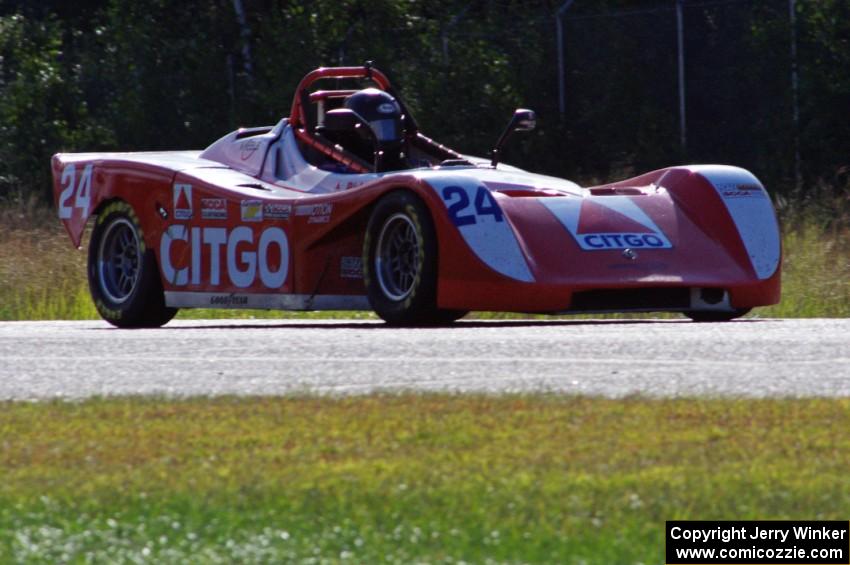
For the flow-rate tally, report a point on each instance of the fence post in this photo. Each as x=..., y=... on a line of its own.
x=444, y=34
x=795, y=85
x=683, y=132
x=562, y=103
x=245, y=35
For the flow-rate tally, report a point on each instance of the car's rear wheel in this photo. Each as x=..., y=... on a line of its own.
x=400, y=262
x=123, y=277
x=716, y=316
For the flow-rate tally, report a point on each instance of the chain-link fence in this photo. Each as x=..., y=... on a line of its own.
x=659, y=83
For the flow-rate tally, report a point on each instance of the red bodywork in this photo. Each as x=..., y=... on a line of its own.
x=215, y=224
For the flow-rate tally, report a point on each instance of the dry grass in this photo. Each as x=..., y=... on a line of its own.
x=816, y=245
x=816, y=273
x=42, y=277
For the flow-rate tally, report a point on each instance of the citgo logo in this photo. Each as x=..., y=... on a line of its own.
x=243, y=256
x=607, y=222
x=183, y=201
x=620, y=240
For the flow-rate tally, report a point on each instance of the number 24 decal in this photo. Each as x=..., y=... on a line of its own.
x=457, y=200
x=83, y=191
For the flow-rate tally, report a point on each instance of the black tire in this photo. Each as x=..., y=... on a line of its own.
x=400, y=263
x=123, y=275
x=715, y=316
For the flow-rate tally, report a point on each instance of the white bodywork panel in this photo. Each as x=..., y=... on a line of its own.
x=173, y=160
x=752, y=211
x=488, y=234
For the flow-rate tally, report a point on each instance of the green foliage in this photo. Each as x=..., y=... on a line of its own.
x=404, y=479
x=170, y=74
x=825, y=89
x=42, y=109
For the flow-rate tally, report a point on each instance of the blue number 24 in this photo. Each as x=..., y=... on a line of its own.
x=457, y=200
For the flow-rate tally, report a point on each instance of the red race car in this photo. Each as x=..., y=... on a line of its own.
x=346, y=205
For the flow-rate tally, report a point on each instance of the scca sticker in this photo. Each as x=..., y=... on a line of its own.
x=607, y=222
x=213, y=208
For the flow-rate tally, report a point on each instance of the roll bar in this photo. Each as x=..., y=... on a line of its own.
x=297, y=116
x=300, y=120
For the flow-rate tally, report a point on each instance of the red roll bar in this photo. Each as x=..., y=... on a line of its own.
x=296, y=116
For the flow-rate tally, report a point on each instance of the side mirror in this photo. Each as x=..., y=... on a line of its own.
x=522, y=120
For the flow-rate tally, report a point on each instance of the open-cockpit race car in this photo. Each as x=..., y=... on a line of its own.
x=346, y=205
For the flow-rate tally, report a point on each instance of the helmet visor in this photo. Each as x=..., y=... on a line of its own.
x=387, y=130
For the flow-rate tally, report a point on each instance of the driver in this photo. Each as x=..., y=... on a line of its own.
x=383, y=114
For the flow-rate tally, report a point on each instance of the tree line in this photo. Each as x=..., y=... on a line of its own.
x=109, y=75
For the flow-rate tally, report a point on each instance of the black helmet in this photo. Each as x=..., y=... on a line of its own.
x=381, y=111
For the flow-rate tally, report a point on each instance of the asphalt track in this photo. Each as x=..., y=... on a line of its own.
x=42, y=360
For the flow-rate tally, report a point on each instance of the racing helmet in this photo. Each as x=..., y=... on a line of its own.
x=381, y=111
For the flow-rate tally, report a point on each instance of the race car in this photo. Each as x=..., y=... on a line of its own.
x=345, y=205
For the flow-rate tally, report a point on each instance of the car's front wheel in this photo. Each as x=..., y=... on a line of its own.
x=400, y=262
x=123, y=277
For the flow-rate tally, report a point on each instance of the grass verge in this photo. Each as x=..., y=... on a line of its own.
x=408, y=478
x=43, y=278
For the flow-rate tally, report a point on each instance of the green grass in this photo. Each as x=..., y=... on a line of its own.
x=43, y=278
x=402, y=479
x=816, y=274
